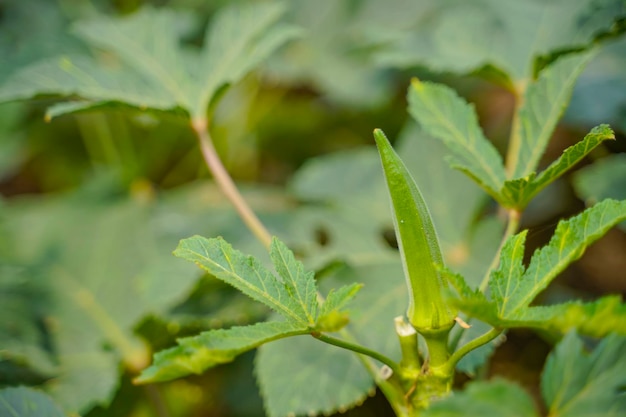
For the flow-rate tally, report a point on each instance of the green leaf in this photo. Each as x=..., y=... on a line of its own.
x=576, y=383
x=600, y=93
x=238, y=40
x=194, y=355
x=595, y=319
x=93, y=292
x=83, y=76
x=508, y=275
x=290, y=299
x=417, y=241
x=444, y=115
x=543, y=103
x=331, y=56
x=301, y=376
x=490, y=398
x=20, y=321
x=300, y=283
x=332, y=317
x=319, y=378
x=508, y=35
x=155, y=71
x=27, y=402
x=513, y=287
x=603, y=179
x=566, y=245
x=518, y=193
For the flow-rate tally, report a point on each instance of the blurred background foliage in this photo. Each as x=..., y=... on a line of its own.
x=93, y=203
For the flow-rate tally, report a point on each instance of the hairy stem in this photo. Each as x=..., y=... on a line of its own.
x=226, y=184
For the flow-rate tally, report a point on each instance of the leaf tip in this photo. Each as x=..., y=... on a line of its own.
x=416, y=83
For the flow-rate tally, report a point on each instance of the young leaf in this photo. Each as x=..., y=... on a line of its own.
x=331, y=317
x=543, y=104
x=576, y=383
x=194, y=355
x=518, y=193
x=27, y=402
x=568, y=244
x=418, y=243
x=291, y=300
x=444, y=115
x=490, y=398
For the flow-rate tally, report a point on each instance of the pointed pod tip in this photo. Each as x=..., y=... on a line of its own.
x=380, y=137
x=416, y=83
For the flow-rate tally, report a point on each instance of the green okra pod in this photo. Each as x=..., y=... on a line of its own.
x=418, y=244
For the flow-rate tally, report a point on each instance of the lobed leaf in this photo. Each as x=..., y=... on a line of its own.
x=148, y=44
x=237, y=41
x=543, y=103
x=576, y=383
x=301, y=376
x=505, y=37
x=149, y=68
x=595, y=319
x=27, y=402
x=194, y=355
x=247, y=274
x=320, y=378
x=568, y=244
x=603, y=179
x=85, y=77
x=518, y=193
x=444, y=115
x=489, y=398
x=513, y=287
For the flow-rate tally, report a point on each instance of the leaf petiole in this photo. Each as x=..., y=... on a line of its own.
x=471, y=345
x=226, y=184
x=358, y=349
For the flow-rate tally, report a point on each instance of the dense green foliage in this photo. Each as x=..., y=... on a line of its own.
x=112, y=112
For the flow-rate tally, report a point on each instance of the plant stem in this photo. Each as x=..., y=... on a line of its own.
x=156, y=400
x=358, y=349
x=407, y=336
x=514, y=137
x=391, y=387
x=226, y=184
x=471, y=345
x=511, y=227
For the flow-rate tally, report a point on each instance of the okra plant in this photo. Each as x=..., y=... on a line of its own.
x=447, y=315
